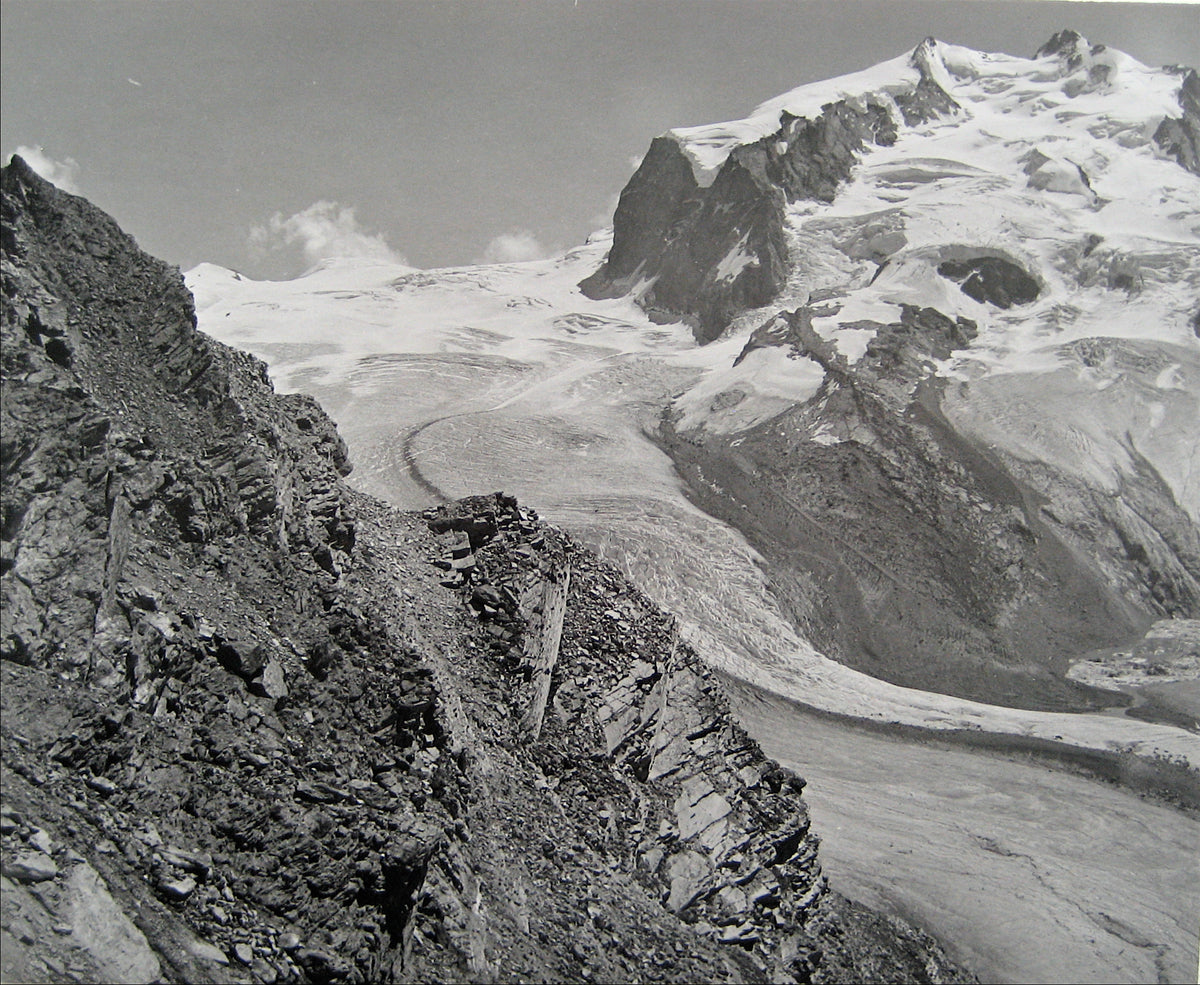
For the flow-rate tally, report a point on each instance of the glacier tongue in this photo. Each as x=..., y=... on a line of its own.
x=959, y=179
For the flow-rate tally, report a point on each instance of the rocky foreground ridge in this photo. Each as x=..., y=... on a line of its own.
x=257, y=727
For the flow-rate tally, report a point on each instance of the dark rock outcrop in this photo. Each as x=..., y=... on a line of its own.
x=898, y=354
x=992, y=280
x=706, y=253
x=1180, y=136
x=259, y=728
x=1066, y=44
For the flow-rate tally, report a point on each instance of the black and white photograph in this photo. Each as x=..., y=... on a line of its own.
x=599, y=491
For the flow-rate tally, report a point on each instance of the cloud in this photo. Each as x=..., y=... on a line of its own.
x=323, y=231
x=604, y=218
x=61, y=173
x=514, y=247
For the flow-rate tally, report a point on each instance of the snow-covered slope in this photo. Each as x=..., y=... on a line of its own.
x=1053, y=168
x=991, y=279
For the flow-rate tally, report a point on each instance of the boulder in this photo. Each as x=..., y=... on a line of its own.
x=30, y=867
x=690, y=877
x=100, y=926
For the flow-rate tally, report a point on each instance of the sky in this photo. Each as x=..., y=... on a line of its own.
x=266, y=135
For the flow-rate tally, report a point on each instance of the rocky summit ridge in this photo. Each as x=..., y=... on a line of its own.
x=260, y=727
x=705, y=227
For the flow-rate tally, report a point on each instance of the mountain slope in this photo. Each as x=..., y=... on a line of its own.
x=952, y=453
x=993, y=302
x=955, y=453
x=253, y=732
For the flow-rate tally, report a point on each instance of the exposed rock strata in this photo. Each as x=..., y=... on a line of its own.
x=258, y=728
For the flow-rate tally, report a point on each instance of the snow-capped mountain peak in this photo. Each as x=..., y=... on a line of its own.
x=1065, y=68
x=942, y=412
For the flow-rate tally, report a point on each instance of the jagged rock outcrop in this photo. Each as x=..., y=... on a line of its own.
x=1180, y=136
x=257, y=727
x=705, y=250
x=638, y=754
x=1065, y=44
x=120, y=418
x=718, y=250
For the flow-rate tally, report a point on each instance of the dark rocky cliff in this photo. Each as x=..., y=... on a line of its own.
x=1180, y=136
x=671, y=236
x=121, y=419
x=911, y=553
x=257, y=727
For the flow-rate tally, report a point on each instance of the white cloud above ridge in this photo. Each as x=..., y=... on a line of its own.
x=515, y=246
x=604, y=218
x=323, y=231
x=64, y=173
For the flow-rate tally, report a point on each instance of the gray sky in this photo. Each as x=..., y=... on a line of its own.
x=453, y=130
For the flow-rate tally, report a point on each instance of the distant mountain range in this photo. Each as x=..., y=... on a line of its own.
x=922, y=344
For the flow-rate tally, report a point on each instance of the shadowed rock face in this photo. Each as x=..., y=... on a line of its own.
x=670, y=236
x=704, y=254
x=251, y=729
x=992, y=280
x=1180, y=136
